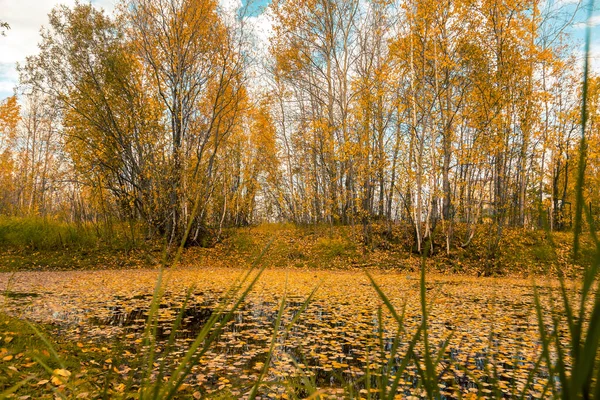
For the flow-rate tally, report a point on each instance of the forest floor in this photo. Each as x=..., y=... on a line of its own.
x=91, y=306
x=522, y=253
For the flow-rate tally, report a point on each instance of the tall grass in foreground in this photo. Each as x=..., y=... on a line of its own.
x=573, y=368
x=580, y=380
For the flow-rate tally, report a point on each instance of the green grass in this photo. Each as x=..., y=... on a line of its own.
x=48, y=234
x=76, y=259
x=48, y=244
x=44, y=234
x=522, y=252
x=330, y=248
x=35, y=243
x=242, y=241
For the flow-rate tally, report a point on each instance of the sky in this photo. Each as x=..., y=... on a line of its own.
x=25, y=18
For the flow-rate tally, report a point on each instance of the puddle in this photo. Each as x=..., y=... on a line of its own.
x=335, y=362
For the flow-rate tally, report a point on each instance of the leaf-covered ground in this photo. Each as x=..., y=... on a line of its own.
x=521, y=252
x=487, y=322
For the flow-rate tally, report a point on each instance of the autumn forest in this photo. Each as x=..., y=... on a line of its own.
x=354, y=199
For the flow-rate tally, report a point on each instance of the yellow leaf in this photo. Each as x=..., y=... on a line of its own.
x=183, y=387
x=62, y=372
x=120, y=387
x=56, y=380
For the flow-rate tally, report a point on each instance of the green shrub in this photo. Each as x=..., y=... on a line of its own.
x=242, y=241
x=43, y=234
x=544, y=252
x=336, y=247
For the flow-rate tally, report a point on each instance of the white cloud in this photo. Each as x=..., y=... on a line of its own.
x=230, y=5
x=107, y=5
x=262, y=28
x=595, y=57
x=8, y=75
x=592, y=22
x=261, y=31
x=229, y=9
x=25, y=18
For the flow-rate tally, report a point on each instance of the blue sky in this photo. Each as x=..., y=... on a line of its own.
x=257, y=6
x=26, y=17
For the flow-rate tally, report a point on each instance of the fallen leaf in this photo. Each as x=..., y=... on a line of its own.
x=57, y=381
x=62, y=372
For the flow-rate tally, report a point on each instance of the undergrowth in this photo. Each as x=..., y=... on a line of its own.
x=523, y=252
x=37, y=233
x=51, y=234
